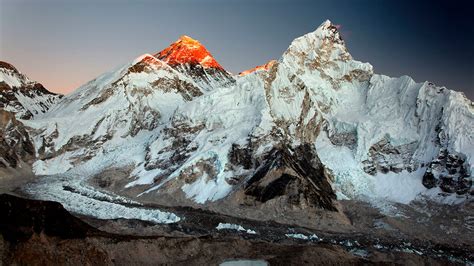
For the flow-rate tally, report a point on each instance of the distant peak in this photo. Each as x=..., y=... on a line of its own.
x=265, y=67
x=8, y=66
x=187, y=50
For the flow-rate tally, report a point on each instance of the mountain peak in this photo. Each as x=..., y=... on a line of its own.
x=187, y=50
x=189, y=40
x=8, y=66
x=323, y=45
x=327, y=23
x=327, y=30
x=265, y=67
x=22, y=96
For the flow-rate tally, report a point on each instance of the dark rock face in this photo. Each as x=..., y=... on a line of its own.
x=297, y=174
x=8, y=66
x=15, y=143
x=429, y=181
x=450, y=172
x=21, y=218
x=348, y=139
x=186, y=89
x=206, y=77
x=385, y=157
x=241, y=156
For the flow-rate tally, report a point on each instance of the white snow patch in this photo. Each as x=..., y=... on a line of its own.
x=399, y=187
x=236, y=227
x=303, y=236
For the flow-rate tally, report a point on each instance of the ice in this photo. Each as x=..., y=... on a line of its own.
x=236, y=227
x=399, y=187
x=85, y=200
x=297, y=236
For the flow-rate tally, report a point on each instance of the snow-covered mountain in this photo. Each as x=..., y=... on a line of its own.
x=296, y=132
x=22, y=96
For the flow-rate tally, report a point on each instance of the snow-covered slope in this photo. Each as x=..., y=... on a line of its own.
x=22, y=96
x=280, y=134
x=127, y=103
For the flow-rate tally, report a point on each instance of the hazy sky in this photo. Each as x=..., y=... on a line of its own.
x=63, y=44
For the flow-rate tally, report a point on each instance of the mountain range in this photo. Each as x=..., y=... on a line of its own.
x=304, y=131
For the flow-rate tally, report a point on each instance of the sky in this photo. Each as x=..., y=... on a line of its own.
x=64, y=44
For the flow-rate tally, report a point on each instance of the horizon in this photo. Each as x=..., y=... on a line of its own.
x=65, y=56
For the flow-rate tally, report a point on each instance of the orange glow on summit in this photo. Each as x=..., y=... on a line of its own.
x=188, y=50
x=267, y=66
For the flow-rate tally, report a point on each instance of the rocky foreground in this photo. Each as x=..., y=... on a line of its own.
x=43, y=232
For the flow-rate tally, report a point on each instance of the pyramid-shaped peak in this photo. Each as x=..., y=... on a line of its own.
x=186, y=38
x=328, y=30
x=326, y=23
x=187, y=50
x=327, y=35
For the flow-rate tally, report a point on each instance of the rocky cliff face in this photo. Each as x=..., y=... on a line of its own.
x=296, y=175
x=15, y=143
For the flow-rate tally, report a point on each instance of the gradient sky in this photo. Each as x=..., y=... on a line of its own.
x=63, y=44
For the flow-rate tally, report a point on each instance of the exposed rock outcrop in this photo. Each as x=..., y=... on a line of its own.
x=15, y=143
x=450, y=172
x=22, y=218
x=296, y=174
x=385, y=157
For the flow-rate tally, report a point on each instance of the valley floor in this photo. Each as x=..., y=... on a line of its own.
x=416, y=234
